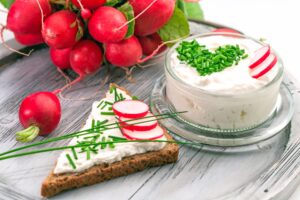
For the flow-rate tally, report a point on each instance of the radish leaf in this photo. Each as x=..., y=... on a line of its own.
x=6, y=3
x=112, y=2
x=194, y=10
x=127, y=10
x=177, y=28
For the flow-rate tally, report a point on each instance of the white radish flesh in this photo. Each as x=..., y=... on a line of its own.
x=153, y=134
x=264, y=67
x=139, y=124
x=130, y=109
x=260, y=56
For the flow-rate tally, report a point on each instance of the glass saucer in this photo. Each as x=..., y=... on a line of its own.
x=218, y=139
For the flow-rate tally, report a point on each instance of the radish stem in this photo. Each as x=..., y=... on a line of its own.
x=28, y=134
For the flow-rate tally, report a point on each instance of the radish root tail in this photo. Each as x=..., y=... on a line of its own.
x=56, y=92
x=66, y=77
x=105, y=80
x=7, y=46
x=42, y=13
x=129, y=74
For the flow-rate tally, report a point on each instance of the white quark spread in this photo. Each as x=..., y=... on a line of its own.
x=106, y=155
x=229, y=81
x=229, y=99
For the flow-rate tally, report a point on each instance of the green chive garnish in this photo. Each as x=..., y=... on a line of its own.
x=107, y=113
x=101, y=102
x=207, y=62
x=71, y=161
x=74, y=153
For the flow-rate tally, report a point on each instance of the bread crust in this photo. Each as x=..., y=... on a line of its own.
x=55, y=184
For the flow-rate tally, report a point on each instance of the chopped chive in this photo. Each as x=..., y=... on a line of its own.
x=103, y=146
x=109, y=103
x=104, y=122
x=101, y=102
x=71, y=161
x=111, y=145
x=74, y=153
x=88, y=154
x=107, y=113
x=115, y=138
x=104, y=105
x=135, y=98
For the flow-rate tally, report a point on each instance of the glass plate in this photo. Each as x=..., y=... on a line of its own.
x=186, y=131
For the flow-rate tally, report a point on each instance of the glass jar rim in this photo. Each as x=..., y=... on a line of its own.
x=168, y=69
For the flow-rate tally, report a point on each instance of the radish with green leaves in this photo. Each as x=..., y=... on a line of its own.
x=105, y=23
x=62, y=29
x=24, y=16
x=39, y=114
x=61, y=57
x=126, y=53
x=151, y=15
x=150, y=44
x=85, y=58
x=29, y=39
x=88, y=4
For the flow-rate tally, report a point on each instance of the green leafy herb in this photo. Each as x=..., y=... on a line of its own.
x=207, y=62
x=101, y=102
x=135, y=98
x=71, y=161
x=176, y=28
x=127, y=10
x=108, y=113
x=74, y=153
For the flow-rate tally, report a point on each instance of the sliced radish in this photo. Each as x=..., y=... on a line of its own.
x=259, y=56
x=130, y=108
x=264, y=67
x=139, y=124
x=225, y=30
x=153, y=134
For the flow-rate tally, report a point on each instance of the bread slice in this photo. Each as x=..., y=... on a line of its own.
x=55, y=184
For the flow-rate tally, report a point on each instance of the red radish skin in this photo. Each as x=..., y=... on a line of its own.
x=259, y=56
x=135, y=124
x=24, y=16
x=225, y=30
x=264, y=67
x=85, y=58
x=86, y=13
x=89, y=4
x=104, y=25
x=130, y=109
x=29, y=39
x=153, y=18
x=150, y=43
x=152, y=134
x=125, y=53
x=40, y=114
x=61, y=57
x=61, y=29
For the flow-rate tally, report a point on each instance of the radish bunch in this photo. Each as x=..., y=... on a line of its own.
x=136, y=122
x=81, y=34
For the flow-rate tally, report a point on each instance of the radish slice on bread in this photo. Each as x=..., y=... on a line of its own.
x=260, y=56
x=152, y=134
x=130, y=109
x=139, y=124
x=264, y=67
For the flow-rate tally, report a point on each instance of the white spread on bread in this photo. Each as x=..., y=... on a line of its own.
x=105, y=155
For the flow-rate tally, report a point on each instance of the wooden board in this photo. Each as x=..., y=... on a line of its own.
x=197, y=174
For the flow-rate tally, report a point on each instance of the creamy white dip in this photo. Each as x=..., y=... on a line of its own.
x=230, y=99
x=106, y=155
x=229, y=81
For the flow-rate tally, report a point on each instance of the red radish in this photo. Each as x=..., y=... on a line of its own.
x=29, y=39
x=61, y=57
x=104, y=25
x=130, y=108
x=25, y=17
x=86, y=13
x=125, y=53
x=152, y=134
x=150, y=44
x=259, y=56
x=85, y=58
x=264, y=67
x=40, y=114
x=89, y=4
x=225, y=30
x=62, y=29
x=154, y=15
x=136, y=124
